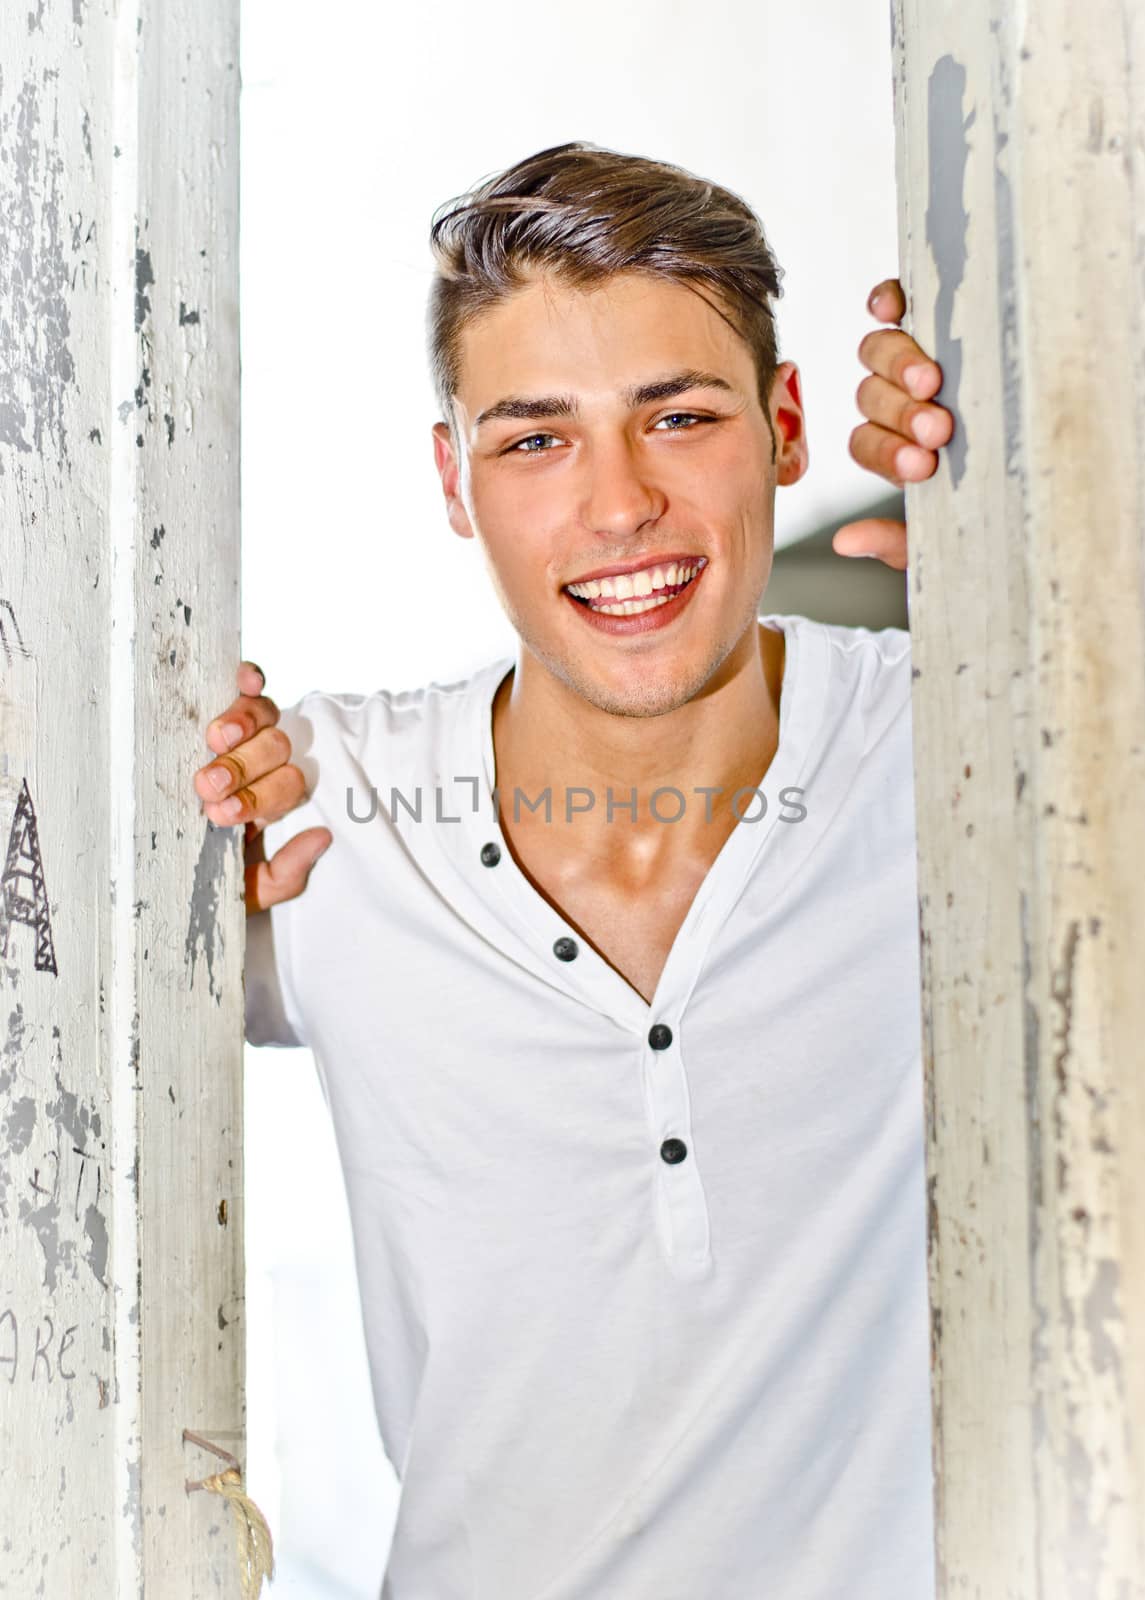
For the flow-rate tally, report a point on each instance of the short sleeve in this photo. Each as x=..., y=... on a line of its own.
x=271, y=1012
x=270, y=1015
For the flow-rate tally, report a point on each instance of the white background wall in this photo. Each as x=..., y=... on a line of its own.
x=353, y=132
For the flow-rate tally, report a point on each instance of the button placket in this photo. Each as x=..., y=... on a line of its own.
x=682, y=1215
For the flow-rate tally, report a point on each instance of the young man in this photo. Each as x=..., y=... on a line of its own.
x=627, y=1083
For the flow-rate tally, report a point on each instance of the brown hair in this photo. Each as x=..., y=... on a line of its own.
x=583, y=213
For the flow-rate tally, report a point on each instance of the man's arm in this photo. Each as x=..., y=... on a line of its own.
x=904, y=429
x=252, y=765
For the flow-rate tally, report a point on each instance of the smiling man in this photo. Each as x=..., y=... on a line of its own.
x=615, y=997
x=630, y=543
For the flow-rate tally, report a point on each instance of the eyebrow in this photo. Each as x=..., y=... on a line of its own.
x=518, y=407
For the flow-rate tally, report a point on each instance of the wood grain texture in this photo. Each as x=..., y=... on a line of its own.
x=121, y=923
x=1020, y=143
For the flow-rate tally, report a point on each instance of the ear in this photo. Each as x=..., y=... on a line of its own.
x=445, y=459
x=788, y=421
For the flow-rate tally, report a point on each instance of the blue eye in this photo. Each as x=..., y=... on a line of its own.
x=523, y=446
x=517, y=447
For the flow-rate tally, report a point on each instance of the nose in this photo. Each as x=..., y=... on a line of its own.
x=620, y=494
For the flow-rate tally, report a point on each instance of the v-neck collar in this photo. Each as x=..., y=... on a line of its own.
x=525, y=909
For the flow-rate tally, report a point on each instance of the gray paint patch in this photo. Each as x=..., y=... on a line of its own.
x=36, y=364
x=44, y=1221
x=95, y=1226
x=202, y=928
x=1099, y=1310
x=144, y=279
x=133, y=1506
x=19, y=1124
x=946, y=223
x=73, y=1118
x=64, y=1172
x=9, y=1065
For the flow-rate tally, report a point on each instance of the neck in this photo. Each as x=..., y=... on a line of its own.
x=546, y=736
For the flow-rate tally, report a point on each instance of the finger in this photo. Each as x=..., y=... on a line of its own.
x=271, y=797
x=878, y=537
x=250, y=678
x=254, y=758
x=242, y=719
x=254, y=844
x=890, y=455
x=895, y=356
x=887, y=302
x=884, y=403
x=285, y=875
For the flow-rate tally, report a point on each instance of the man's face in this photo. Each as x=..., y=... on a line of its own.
x=595, y=468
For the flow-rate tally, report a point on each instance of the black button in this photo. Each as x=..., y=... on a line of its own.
x=490, y=854
x=565, y=949
x=660, y=1036
x=673, y=1150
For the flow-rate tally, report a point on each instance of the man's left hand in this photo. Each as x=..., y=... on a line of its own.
x=902, y=435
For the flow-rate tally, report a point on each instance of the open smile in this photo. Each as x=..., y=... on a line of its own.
x=637, y=602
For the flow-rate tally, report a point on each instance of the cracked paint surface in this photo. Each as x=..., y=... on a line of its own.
x=61, y=1200
x=36, y=362
x=204, y=936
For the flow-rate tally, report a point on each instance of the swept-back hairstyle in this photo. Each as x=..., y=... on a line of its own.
x=583, y=213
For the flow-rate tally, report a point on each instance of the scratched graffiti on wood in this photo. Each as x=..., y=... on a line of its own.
x=44, y=1353
x=23, y=896
x=10, y=637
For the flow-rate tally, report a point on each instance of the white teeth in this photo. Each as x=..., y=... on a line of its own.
x=640, y=585
x=632, y=608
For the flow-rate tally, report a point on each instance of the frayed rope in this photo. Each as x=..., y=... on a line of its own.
x=252, y=1535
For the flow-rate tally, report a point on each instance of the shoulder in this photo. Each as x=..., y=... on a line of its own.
x=875, y=666
x=866, y=671
x=327, y=728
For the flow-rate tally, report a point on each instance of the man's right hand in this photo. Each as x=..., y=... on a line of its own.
x=253, y=756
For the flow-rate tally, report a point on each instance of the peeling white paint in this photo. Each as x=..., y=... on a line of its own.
x=121, y=930
x=1022, y=227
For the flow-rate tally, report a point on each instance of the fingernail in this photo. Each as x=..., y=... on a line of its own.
x=231, y=733
x=925, y=428
x=259, y=670
x=873, y=302
x=913, y=377
x=910, y=459
x=219, y=778
x=231, y=807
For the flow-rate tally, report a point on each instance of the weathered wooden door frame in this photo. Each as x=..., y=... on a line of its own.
x=121, y=940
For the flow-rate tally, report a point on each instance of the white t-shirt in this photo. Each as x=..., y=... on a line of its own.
x=607, y=1365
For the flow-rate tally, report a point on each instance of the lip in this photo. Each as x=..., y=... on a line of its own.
x=646, y=621
x=684, y=558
